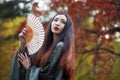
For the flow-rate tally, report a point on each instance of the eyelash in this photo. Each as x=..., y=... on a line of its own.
x=55, y=19
x=64, y=22
x=61, y=21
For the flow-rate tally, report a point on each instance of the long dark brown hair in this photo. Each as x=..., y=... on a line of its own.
x=67, y=58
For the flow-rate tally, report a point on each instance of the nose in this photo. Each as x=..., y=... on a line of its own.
x=57, y=23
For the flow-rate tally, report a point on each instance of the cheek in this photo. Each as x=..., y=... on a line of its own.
x=52, y=24
x=62, y=27
x=51, y=28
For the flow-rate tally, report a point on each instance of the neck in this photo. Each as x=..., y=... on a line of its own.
x=55, y=38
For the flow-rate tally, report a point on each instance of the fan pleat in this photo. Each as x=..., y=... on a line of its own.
x=38, y=34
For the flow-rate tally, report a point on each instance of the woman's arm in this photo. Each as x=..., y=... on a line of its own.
x=54, y=58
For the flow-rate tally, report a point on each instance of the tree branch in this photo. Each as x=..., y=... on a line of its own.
x=105, y=49
x=113, y=30
x=112, y=52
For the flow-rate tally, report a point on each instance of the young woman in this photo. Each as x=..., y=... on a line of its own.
x=54, y=60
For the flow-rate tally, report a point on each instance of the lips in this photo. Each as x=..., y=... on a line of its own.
x=56, y=28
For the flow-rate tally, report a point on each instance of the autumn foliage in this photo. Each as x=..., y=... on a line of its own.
x=94, y=24
x=97, y=35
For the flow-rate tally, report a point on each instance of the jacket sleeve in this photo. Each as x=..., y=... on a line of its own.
x=14, y=70
x=17, y=71
x=59, y=74
x=47, y=72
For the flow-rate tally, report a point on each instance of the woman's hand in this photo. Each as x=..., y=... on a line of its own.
x=22, y=36
x=24, y=60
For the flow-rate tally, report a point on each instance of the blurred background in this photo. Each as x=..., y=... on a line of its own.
x=97, y=33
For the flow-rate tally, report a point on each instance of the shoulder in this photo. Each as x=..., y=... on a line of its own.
x=60, y=44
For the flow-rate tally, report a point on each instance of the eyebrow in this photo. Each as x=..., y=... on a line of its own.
x=61, y=19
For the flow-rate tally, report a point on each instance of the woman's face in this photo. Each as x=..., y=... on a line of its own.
x=58, y=24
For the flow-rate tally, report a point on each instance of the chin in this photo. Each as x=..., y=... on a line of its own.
x=55, y=32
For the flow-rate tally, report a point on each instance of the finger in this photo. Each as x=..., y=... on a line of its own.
x=24, y=32
x=21, y=56
x=20, y=35
x=26, y=55
x=24, y=29
x=20, y=60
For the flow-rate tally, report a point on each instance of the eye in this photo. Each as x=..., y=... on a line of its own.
x=63, y=22
x=55, y=19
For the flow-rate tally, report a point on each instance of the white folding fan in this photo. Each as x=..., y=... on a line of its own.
x=35, y=34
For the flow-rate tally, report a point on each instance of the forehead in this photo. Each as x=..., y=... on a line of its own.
x=62, y=17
